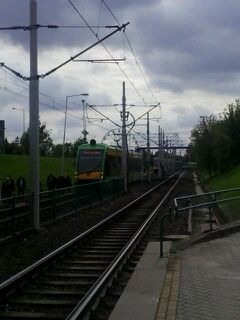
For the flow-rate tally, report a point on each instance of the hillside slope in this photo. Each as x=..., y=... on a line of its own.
x=15, y=165
x=228, y=180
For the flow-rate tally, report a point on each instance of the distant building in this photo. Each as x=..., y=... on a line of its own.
x=2, y=135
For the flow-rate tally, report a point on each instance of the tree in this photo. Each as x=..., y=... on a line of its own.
x=24, y=140
x=231, y=128
x=57, y=150
x=45, y=141
x=222, y=146
x=7, y=146
x=14, y=147
x=68, y=149
x=202, y=142
x=216, y=142
x=75, y=146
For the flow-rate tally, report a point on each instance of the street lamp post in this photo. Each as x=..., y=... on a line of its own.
x=64, y=129
x=23, y=116
x=124, y=141
x=84, y=132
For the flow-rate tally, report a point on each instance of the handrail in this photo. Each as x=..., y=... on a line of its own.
x=212, y=192
x=215, y=201
x=206, y=203
x=209, y=203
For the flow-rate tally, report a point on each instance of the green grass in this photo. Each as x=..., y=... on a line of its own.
x=15, y=165
x=227, y=180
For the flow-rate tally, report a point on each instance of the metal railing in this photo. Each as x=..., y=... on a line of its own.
x=188, y=203
x=212, y=195
x=16, y=213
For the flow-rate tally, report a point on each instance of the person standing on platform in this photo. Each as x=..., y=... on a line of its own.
x=21, y=185
x=8, y=187
x=51, y=182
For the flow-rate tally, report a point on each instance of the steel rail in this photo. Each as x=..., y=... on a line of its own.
x=83, y=309
x=12, y=284
x=13, y=281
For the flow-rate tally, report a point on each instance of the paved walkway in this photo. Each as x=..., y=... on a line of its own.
x=168, y=300
x=201, y=282
x=210, y=280
x=140, y=298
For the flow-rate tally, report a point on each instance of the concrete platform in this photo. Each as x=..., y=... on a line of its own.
x=141, y=296
x=176, y=237
x=200, y=281
x=210, y=280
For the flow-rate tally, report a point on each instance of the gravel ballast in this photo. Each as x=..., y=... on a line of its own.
x=21, y=252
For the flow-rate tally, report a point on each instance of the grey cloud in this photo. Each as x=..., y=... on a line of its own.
x=55, y=12
x=191, y=45
x=188, y=117
x=181, y=45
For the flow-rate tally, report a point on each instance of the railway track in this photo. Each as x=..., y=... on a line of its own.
x=69, y=282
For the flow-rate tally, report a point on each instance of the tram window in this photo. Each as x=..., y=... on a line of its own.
x=107, y=167
x=112, y=166
x=90, y=160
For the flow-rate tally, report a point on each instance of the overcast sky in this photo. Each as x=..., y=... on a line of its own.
x=181, y=54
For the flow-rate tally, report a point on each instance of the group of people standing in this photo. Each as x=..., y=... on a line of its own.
x=9, y=188
x=58, y=183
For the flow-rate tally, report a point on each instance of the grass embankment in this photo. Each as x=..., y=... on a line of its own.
x=227, y=180
x=15, y=165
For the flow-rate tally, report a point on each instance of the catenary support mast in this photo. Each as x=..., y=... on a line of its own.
x=34, y=114
x=124, y=140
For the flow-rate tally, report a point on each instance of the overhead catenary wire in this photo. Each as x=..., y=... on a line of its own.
x=125, y=74
x=97, y=29
x=144, y=137
x=131, y=48
x=27, y=97
x=53, y=26
x=107, y=118
x=18, y=74
x=72, y=58
x=136, y=60
x=53, y=99
x=55, y=109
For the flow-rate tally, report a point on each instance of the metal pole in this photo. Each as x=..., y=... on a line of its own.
x=163, y=142
x=167, y=156
x=23, y=129
x=84, y=132
x=64, y=134
x=148, y=150
x=170, y=156
x=124, y=139
x=159, y=153
x=23, y=121
x=84, y=120
x=64, y=129
x=34, y=114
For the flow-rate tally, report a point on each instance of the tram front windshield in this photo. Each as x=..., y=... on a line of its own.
x=90, y=160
